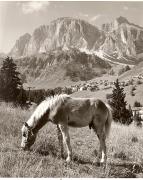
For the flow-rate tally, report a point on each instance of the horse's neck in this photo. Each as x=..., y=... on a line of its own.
x=38, y=123
x=31, y=122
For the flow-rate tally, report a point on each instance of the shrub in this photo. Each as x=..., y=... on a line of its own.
x=137, y=104
x=134, y=139
x=108, y=96
x=133, y=88
x=103, y=71
x=120, y=155
x=137, y=119
x=77, y=72
x=111, y=72
x=124, y=69
x=139, y=82
x=132, y=93
x=131, y=82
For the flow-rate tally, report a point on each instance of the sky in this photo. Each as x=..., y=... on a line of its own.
x=20, y=17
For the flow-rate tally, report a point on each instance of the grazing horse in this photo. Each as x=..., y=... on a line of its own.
x=65, y=111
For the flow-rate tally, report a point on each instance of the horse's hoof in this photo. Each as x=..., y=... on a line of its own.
x=68, y=160
x=100, y=164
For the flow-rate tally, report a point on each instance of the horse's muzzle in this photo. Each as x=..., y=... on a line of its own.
x=24, y=148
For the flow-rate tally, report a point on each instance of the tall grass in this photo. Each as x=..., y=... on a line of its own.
x=124, y=154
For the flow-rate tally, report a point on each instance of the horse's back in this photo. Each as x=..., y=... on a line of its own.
x=89, y=109
x=100, y=105
x=89, y=102
x=79, y=112
x=82, y=105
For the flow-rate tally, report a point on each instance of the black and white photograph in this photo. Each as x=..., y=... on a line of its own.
x=71, y=89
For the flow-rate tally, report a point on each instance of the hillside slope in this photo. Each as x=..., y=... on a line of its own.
x=134, y=72
x=61, y=67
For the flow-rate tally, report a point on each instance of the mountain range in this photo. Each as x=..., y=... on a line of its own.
x=119, y=40
x=70, y=50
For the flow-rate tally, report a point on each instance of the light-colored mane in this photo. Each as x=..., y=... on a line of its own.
x=48, y=103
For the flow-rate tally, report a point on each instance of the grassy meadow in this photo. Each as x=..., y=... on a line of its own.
x=125, y=150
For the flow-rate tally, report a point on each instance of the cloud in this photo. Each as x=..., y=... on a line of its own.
x=58, y=6
x=33, y=6
x=94, y=18
x=125, y=8
x=83, y=15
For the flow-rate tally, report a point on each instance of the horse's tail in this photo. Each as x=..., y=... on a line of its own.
x=108, y=121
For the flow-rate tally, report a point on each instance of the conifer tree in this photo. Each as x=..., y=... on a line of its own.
x=120, y=112
x=22, y=97
x=130, y=112
x=138, y=119
x=9, y=81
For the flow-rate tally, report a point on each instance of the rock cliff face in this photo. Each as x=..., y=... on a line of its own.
x=19, y=47
x=124, y=40
x=119, y=40
x=61, y=33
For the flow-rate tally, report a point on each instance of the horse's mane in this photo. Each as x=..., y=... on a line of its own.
x=48, y=103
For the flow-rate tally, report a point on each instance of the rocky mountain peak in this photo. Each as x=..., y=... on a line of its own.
x=122, y=20
x=124, y=40
x=64, y=33
x=19, y=46
x=119, y=40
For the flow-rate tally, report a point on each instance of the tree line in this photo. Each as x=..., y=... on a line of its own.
x=11, y=87
x=11, y=90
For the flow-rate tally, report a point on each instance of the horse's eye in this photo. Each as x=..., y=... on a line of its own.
x=24, y=135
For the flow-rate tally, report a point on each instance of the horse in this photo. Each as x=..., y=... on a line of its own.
x=65, y=111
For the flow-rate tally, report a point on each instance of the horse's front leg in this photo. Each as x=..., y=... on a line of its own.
x=66, y=139
x=60, y=138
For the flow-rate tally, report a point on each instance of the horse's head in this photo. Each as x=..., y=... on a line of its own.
x=28, y=137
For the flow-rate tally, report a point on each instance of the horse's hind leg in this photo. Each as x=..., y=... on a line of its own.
x=102, y=149
x=102, y=138
x=66, y=139
x=60, y=138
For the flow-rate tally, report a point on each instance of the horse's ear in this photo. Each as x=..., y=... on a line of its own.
x=26, y=125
